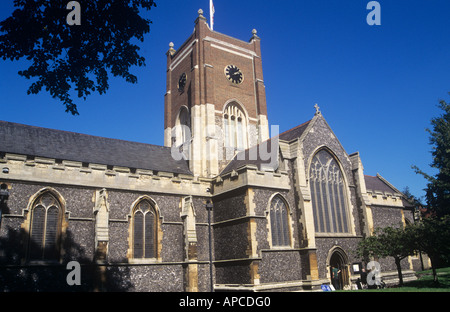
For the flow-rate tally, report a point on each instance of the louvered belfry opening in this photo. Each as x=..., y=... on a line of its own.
x=235, y=127
x=144, y=230
x=45, y=228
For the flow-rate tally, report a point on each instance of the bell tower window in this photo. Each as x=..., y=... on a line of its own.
x=235, y=127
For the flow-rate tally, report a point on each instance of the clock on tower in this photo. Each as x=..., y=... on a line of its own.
x=215, y=103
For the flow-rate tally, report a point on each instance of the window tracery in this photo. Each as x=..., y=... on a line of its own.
x=144, y=230
x=45, y=228
x=235, y=127
x=328, y=194
x=279, y=222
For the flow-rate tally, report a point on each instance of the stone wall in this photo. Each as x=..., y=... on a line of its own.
x=78, y=243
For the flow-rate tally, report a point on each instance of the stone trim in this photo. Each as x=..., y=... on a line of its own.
x=62, y=226
x=98, y=176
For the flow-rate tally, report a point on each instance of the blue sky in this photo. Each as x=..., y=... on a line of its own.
x=377, y=86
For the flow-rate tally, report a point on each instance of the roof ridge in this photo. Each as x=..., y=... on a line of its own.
x=388, y=183
x=296, y=127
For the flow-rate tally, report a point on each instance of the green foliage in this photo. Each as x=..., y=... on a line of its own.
x=431, y=236
x=394, y=242
x=79, y=56
x=415, y=201
x=438, y=187
x=424, y=283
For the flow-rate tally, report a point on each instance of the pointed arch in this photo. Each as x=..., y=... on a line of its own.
x=235, y=125
x=51, y=190
x=146, y=234
x=338, y=265
x=182, y=127
x=329, y=193
x=339, y=252
x=45, y=224
x=280, y=221
x=150, y=200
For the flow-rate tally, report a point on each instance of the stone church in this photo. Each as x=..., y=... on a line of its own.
x=223, y=206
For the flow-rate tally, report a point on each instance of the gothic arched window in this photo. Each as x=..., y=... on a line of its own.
x=45, y=228
x=144, y=230
x=235, y=127
x=182, y=127
x=279, y=222
x=328, y=195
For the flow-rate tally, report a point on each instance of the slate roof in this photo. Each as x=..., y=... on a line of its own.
x=252, y=156
x=42, y=142
x=295, y=132
x=377, y=184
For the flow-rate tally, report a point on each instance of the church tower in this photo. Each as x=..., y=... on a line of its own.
x=215, y=102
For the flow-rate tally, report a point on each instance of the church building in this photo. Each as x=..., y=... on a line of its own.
x=228, y=204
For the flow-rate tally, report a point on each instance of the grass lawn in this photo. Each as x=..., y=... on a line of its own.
x=424, y=283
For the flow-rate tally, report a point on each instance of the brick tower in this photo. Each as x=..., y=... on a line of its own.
x=215, y=104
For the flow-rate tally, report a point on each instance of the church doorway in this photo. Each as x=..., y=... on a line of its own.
x=339, y=268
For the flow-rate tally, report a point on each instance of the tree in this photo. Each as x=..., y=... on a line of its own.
x=431, y=236
x=81, y=56
x=388, y=242
x=415, y=201
x=438, y=186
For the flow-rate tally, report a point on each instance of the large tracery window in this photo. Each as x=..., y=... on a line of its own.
x=45, y=228
x=279, y=222
x=235, y=127
x=144, y=230
x=328, y=195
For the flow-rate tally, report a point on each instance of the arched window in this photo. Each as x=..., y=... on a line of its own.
x=182, y=127
x=234, y=127
x=328, y=195
x=279, y=222
x=144, y=230
x=45, y=228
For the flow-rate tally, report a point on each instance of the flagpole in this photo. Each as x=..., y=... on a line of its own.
x=211, y=14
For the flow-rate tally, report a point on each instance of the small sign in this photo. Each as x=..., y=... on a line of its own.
x=325, y=287
x=356, y=268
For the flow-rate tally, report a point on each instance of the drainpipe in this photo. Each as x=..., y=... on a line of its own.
x=209, y=207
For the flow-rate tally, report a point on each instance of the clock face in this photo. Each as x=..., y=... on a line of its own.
x=234, y=74
x=182, y=82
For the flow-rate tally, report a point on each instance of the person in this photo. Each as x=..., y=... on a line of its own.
x=363, y=276
x=335, y=277
x=362, y=281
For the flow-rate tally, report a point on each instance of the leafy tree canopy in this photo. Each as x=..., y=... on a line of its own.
x=431, y=236
x=81, y=56
x=438, y=187
x=396, y=242
x=388, y=242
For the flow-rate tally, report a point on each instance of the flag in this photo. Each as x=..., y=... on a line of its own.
x=211, y=14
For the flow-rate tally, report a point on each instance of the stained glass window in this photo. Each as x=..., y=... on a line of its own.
x=144, y=230
x=328, y=195
x=45, y=228
x=279, y=223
